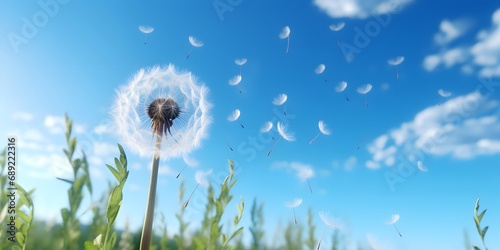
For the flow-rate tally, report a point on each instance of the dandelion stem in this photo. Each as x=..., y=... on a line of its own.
x=294, y=218
x=187, y=57
x=241, y=125
x=347, y=98
x=314, y=138
x=366, y=101
x=320, y=239
x=397, y=230
x=145, y=39
x=180, y=172
x=187, y=202
x=309, y=184
x=288, y=44
x=273, y=146
x=148, y=220
x=397, y=72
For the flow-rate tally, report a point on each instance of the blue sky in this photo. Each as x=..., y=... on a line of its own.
x=77, y=54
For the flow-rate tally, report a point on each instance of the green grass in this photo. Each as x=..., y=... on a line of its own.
x=212, y=233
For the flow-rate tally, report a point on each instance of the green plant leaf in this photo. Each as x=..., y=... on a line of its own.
x=89, y=245
x=114, y=172
x=65, y=180
x=236, y=233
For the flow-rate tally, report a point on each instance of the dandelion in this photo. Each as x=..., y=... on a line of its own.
x=285, y=34
x=392, y=221
x=161, y=113
x=267, y=127
x=235, y=81
x=364, y=90
x=341, y=86
x=293, y=204
x=333, y=223
x=240, y=62
x=320, y=69
x=194, y=43
x=188, y=163
x=234, y=117
x=322, y=130
x=395, y=62
x=146, y=30
x=227, y=144
x=280, y=100
x=202, y=180
x=337, y=27
x=282, y=130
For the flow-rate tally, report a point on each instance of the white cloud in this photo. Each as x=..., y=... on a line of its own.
x=482, y=56
x=55, y=124
x=47, y=166
x=350, y=163
x=359, y=9
x=463, y=127
x=104, y=149
x=301, y=170
x=22, y=116
x=451, y=30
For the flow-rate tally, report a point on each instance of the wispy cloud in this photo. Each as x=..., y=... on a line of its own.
x=451, y=30
x=481, y=56
x=302, y=171
x=22, y=116
x=464, y=127
x=359, y=9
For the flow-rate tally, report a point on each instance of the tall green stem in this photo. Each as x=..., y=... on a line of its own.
x=147, y=228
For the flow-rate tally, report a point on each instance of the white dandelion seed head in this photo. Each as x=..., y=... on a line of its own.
x=282, y=130
x=146, y=29
x=280, y=99
x=241, y=61
x=341, y=86
x=201, y=177
x=235, y=80
x=364, y=89
x=333, y=223
x=234, y=115
x=319, y=69
x=285, y=33
x=337, y=26
x=195, y=42
x=267, y=127
x=323, y=129
x=394, y=219
x=396, y=61
x=133, y=125
x=444, y=93
x=293, y=204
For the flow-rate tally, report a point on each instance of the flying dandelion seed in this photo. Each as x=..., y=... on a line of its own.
x=306, y=173
x=285, y=34
x=337, y=27
x=444, y=93
x=234, y=117
x=293, y=204
x=230, y=148
x=194, y=43
x=320, y=69
x=240, y=62
x=202, y=180
x=159, y=104
x=266, y=128
x=180, y=172
x=235, y=81
x=332, y=223
x=341, y=86
x=372, y=241
x=280, y=100
x=392, y=221
x=421, y=167
x=322, y=130
x=395, y=62
x=364, y=90
x=146, y=30
x=188, y=163
x=282, y=130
